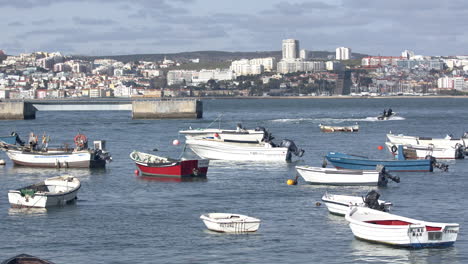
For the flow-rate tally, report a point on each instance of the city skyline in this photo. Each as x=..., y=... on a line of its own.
x=93, y=27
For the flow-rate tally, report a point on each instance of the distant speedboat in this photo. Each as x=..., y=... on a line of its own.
x=340, y=204
x=26, y=259
x=153, y=165
x=386, y=116
x=230, y=223
x=324, y=128
x=381, y=227
x=51, y=192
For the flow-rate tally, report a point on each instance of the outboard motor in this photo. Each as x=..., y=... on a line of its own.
x=372, y=201
x=384, y=176
x=439, y=165
x=267, y=137
x=292, y=148
x=460, y=151
x=17, y=139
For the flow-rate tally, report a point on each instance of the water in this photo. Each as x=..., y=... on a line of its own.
x=121, y=218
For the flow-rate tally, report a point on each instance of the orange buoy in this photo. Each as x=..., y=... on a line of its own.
x=216, y=135
x=379, y=147
x=137, y=172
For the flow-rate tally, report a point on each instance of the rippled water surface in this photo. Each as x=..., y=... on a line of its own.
x=122, y=218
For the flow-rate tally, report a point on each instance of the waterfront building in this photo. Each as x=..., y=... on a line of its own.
x=343, y=53
x=179, y=77
x=380, y=61
x=253, y=66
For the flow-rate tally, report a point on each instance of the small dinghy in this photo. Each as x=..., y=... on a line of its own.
x=424, y=151
x=340, y=204
x=51, y=192
x=152, y=165
x=324, y=128
x=26, y=259
x=381, y=227
x=230, y=223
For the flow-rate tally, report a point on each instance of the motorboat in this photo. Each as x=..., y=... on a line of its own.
x=240, y=134
x=53, y=191
x=35, y=155
x=448, y=141
x=387, y=115
x=230, y=223
x=152, y=165
x=386, y=228
x=324, y=128
x=333, y=176
x=26, y=259
x=209, y=148
x=425, y=151
x=340, y=204
x=355, y=162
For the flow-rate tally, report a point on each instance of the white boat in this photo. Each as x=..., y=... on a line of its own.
x=324, y=128
x=230, y=223
x=423, y=151
x=333, y=176
x=219, y=150
x=340, y=204
x=51, y=192
x=238, y=135
x=425, y=141
x=386, y=228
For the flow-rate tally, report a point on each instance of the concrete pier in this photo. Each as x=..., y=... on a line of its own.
x=162, y=109
x=17, y=111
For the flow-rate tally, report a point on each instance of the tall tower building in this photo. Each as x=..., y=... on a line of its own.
x=304, y=54
x=343, y=53
x=290, y=49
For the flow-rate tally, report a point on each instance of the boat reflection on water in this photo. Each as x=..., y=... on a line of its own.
x=27, y=212
x=173, y=179
x=80, y=173
x=366, y=252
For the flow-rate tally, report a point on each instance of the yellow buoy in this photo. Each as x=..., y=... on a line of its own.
x=291, y=182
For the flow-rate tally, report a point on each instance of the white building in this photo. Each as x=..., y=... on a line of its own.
x=290, y=49
x=179, y=76
x=218, y=75
x=334, y=66
x=299, y=66
x=408, y=54
x=343, y=53
x=457, y=83
x=253, y=66
x=304, y=54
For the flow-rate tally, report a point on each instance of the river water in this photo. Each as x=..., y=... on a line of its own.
x=122, y=218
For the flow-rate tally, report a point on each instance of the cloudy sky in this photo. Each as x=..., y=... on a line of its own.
x=110, y=27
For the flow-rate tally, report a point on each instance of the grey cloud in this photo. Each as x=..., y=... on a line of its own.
x=43, y=22
x=15, y=24
x=92, y=21
x=300, y=8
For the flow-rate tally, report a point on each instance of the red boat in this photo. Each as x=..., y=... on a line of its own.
x=153, y=165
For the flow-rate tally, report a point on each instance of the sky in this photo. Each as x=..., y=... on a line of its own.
x=116, y=27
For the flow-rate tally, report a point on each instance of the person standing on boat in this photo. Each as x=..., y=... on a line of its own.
x=384, y=112
x=389, y=112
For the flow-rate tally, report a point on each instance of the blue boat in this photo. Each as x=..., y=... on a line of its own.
x=345, y=161
x=11, y=140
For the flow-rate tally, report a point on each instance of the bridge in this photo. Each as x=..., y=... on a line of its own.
x=141, y=108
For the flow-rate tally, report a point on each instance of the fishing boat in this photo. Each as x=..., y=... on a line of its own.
x=340, y=204
x=333, y=176
x=26, y=259
x=51, y=192
x=209, y=148
x=354, y=162
x=324, y=128
x=152, y=165
x=238, y=135
x=424, y=151
x=382, y=227
x=448, y=141
x=35, y=155
x=230, y=223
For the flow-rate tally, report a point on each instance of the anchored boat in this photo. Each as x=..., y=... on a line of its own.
x=51, y=192
x=153, y=165
x=381, y=227
x=424, y=151
x=230, y=223
x=324, y=128
x=340, y=204
x=26, y=259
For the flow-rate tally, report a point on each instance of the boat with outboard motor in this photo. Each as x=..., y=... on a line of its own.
x=387, y=114
x=152, y=165
x=240, y=134
x=354, y=128
x=51, y=192
x=340, y=204
x=211, y=148
x=425, y=151
x=35, y=155
x=333, y=176
x=382, y=227
x=446, y=142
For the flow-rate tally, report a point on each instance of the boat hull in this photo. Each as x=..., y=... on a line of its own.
x=184, y=168
x=225, y=135
x=424, y=141
x=244, y=224
x=343, y=161
x=380, y=227
x=341, y=204
x=64, y=192
x=422, y=152
x=216, y=150
x=331, y=176
x=82, y=159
